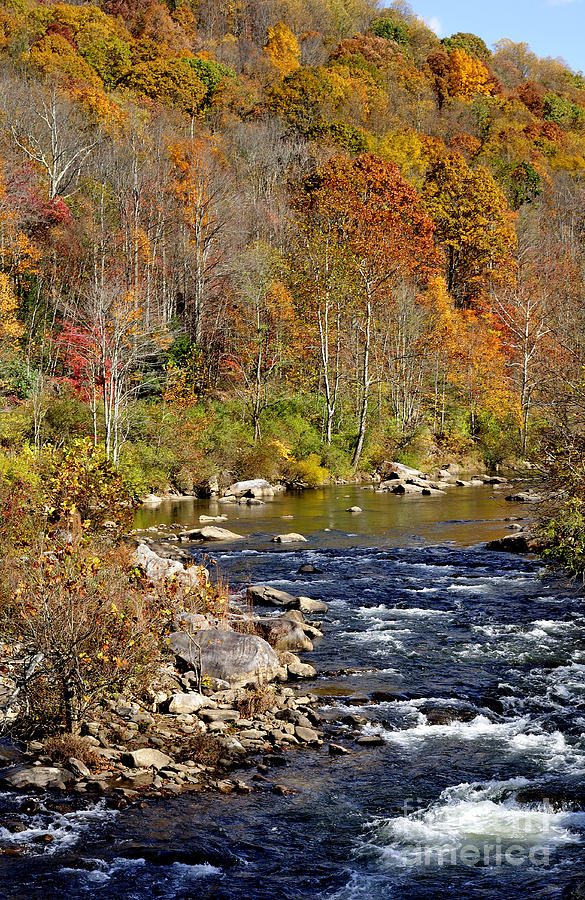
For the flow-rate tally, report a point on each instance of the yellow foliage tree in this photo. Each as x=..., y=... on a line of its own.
x=10, y=328
x=282, y=49
x=468, y=76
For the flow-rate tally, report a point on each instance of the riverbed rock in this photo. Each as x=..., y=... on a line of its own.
x=263, y=595
x=520, y=542
x=354, y=509
x=191, y=702
x=403, y=488
x=291, y=538
x=283, y=634
x=309, y=569
x=239, y=659
x=370, y=740
x=524, y=497
x=255, y=487
x=308, y=605
x=210, y=520
x=151, y=500
x=211, y=533
x=158, y=568
x=297, y=669
x=338, y=750
x=306, y=735
x=42, y=777
x=146, y=758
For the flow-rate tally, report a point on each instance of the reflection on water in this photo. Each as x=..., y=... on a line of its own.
x=465, y=515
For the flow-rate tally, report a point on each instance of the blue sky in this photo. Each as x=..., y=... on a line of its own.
x=551, y=27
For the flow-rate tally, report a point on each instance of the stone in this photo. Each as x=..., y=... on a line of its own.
x=291, y=538
x=373, y=740
x=354, y=509
x=283, y=634
x=295, y=615
x=210, y=520
x=212, y=533
x=151, y=500
x=239, y=659
x=263, y=595
x=524, y=497
x=219, y=715
x=337, y=750
x=308, y=605
x=306, y=735
x=78, y=767
x=402, y=488
x=44, y=777
x=255, y=487
x=301, y=670
x=309, y=569
x=520, y=542
x=157, y=568
x=186, y=621
x=185, y=704
x=146, y=758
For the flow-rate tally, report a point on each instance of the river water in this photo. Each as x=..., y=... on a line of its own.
x=486, y=804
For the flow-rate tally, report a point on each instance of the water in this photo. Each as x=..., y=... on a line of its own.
x=486, y=804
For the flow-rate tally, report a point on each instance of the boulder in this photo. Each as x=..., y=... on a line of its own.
x=239, y=659
x=157, y=568
x=297, y=669
x=186, y=621
x=283, y=634
x=402, y=488
x=306, y=735
x=146, y=758
x=191, y=702
x=211, y=533
x=263, y=595
x=354, y=509
x=524, y=497
x=308, y=605
x=44, y=777
x=256, y=487
x=399, y=470
x=309, y=569
x=292, y=538
x=152, y=500
x=521, y=542
x=209, y=520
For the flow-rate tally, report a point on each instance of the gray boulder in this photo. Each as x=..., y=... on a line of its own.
x=283, y=634
x=146, y=758
x=308, y=605
x=211, y=533
x=255, y=487
x=209, y=520
x=44, y=777
x=239, y=659
x=191, y=702
x=263, y=595
x=292, y=538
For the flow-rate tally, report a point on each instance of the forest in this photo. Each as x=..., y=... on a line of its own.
x=284, y=238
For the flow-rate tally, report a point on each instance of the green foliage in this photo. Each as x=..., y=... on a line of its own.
x=110, y=57
x=210, y=73
x=392, y=29
x=564, y=538
x=471, y=43
x=562, y=111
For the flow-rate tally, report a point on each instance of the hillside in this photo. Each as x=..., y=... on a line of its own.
x=284, y=239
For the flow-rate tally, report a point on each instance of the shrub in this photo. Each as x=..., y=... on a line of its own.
x=61, y=747
x=309, y=471
x=255, y=702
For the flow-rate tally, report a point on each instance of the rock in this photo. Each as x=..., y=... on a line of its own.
x=295, y=615
x=239, y=659
x=292, y=538
x=524, y=497
x=308, y=605
x=219, y=715
x=461, y=483
x=283, y=634
x=520, y=542
x=402, y=488
x=44, y=777
x=209, y=520
x=191, y=622
x=308, y=569
x=446, y=715
x=250, y=501
x=185, y=704
x=354, y=509
x=306, y=735
x=301, y=670
x=373, y=740
x=337, y=750
x=152, y=500
x=256, y=487
x=399, y=470
x=78, y=767
x=212, y=533
x=263, y=595
x=157, y=568
x=146, y=758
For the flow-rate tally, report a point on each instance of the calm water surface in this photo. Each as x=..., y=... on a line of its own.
x=456, y=809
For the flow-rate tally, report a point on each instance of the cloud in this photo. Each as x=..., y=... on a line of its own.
x=436, y=26
x=561, y=2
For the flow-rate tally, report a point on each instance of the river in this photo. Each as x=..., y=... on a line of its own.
x=487, y=803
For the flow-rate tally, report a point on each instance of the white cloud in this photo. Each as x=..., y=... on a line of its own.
x=436, y=26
